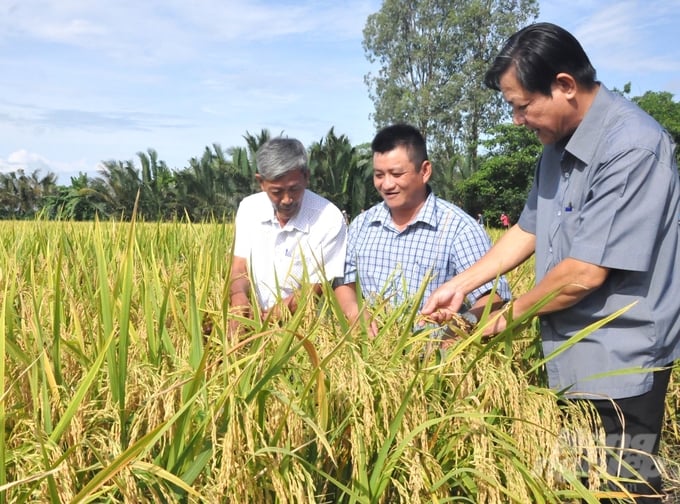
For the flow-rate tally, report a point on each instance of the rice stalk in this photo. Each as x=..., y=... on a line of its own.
x=305, y=409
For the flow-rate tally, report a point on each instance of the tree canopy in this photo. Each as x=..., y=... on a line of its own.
x=660, y=105
x=432, y=56
x=209, y=188
x=504, y=178
x=212, y=184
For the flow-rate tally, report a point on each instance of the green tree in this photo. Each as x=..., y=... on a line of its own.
x=118, y=185
x=342, y=173
x=447, y=174
x=660, y=105
x=432, y=56
x=505, y=175
x=245, y=164
x=157, y=190
x=121, y=183
x=209, y=187
x=80, y=201
x=22, y=196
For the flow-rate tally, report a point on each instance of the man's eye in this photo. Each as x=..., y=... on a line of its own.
x=523, y=108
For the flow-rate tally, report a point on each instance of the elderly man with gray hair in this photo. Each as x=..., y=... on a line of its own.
x=285, y=234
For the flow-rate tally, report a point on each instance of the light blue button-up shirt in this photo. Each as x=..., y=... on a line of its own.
x=610, y=195
x=440, y=242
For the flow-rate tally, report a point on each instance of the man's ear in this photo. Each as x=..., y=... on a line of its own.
x=259, y=179
x=426, y=170
x=566, y=84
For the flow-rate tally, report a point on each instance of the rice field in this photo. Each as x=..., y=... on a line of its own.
x=120, y=383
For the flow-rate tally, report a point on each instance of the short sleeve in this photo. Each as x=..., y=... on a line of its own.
x=623, y=212
x=242, y=237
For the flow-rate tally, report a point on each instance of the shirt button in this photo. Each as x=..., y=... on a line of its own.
x=559, y=212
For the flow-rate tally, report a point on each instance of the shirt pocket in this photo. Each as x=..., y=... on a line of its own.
x=435, y=272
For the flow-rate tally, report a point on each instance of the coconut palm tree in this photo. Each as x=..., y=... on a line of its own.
x=342, y=173
x=119, y=184
x=206, y=188
x=244, y=162
x=157, y=193
x=23, y=196
x=80, y=201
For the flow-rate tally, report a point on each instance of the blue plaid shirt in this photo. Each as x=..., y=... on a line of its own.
x=439, y=243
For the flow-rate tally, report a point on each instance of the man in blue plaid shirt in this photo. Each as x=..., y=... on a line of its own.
x=411, y=237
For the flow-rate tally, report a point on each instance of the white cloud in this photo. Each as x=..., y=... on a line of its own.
x=155, y=32
x=627, y=41
x=24, y=160
x=30, y=162
x=73, y=30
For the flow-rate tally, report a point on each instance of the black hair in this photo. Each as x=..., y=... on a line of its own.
x=401, y=135
x=539, y=52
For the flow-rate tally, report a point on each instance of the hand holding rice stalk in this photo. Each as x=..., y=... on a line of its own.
x=459, y=326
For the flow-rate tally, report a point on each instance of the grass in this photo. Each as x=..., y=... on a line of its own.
x=119, y=384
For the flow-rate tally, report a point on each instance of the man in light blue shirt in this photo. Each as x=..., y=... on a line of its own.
x=601, y=219
x=412, y=238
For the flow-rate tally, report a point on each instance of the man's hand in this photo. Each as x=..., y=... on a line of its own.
x=371, y=325
x=282, y=310
x=444, y=303
x=354, y=317
x=496, y=323
x=239, y=298
x=347, y=297
x=242, y=309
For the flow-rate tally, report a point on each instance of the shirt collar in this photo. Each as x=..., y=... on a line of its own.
x=267, y=215
x=427, y=213
x=585, y=139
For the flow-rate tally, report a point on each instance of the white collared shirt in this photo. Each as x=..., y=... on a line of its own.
x=310, y=247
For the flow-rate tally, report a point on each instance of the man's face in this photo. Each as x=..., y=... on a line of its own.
x=396, y=179
x=549, y=117
x=285, y=193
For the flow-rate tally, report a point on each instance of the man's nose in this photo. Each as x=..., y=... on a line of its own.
x=388, y=181
x=517, y=118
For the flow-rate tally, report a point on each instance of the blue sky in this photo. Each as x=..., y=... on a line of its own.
x=85, y=81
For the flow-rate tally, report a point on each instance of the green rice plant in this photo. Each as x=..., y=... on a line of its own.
x=121, y=383
x=3, y=447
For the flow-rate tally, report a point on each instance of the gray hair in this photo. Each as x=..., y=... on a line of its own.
x=278, y=156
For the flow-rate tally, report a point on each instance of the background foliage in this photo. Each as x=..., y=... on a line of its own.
x=212, y=185
x=432, y=56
